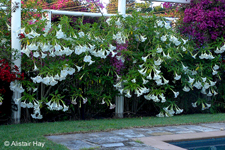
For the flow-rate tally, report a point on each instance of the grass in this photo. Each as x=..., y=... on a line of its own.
x=138, y=141
x=91, y=148
x=30, y=132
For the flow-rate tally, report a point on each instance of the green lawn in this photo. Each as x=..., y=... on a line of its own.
x=35, y=131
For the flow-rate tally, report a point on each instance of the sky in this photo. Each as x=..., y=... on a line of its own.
x=105, y=2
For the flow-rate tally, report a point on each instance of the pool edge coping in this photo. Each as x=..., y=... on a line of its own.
x=160, y=142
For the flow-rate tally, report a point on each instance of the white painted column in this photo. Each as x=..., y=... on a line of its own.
x=119, y=106
x=16, y=46
x=120, y=99
x=122, y=7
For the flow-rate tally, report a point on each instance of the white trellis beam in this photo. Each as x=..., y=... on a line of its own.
x=172, y=1
x=16, y=49
x=4, y=8
x=72, y=13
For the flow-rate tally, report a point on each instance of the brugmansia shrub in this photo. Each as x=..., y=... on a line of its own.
x=135, y=55
x=162, y=63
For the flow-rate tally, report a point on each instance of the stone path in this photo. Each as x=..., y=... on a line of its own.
x=123, y=139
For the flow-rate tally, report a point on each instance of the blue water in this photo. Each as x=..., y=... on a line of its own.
x=204, y=144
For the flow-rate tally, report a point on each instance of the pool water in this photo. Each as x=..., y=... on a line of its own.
x=204, y=144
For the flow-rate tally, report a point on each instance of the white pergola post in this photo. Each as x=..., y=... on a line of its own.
x=122, y=7
x=120, y=99
x=16, y=47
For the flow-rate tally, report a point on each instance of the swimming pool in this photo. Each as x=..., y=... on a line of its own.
x=203, y=144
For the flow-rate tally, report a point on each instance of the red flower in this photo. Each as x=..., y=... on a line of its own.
x=21, y=36
x=2, y=91
x=7, y=33
x=8, y=74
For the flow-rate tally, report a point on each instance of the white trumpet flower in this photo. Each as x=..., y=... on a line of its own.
x=143, y=71
x=87, y=58
x=177, y=77
x=194, y=104
x=190, y=80
x=112, y=106
x=216, y=67
x=134, y=80
x=144, y=81
x=159, y=50
x=143, y=38
x=160, y=114
x=204, y=79
x=214, y=92
x=214, y=72
x=198, y=85
x=78, y=68
x=35, y=68
x=186, y=89
x=128, y=94
x=184, y=67
x=175, y=94
x=163, y=38
x=212, y=83
x=144, y=58
x=60, y=34
x=209, y=94
x=158, y=62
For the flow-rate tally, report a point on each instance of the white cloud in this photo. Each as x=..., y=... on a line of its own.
x=105, y=3
x=157, y=3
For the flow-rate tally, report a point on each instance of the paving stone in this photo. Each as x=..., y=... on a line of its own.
x=158, y=129
x=109, y=139
x=129, y=133
x=59, y=138
x=113, y=145
x=200, y=128
x=77, y=145
x=136, y=144
x=215, y=125
x=186, y=131
x=142, y=129
x=174, y=129
x=99, y=134
x=178, y=129
x=134, y=135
